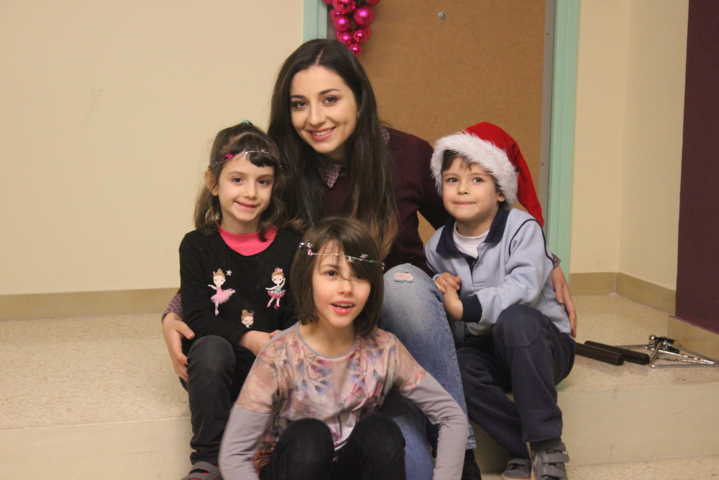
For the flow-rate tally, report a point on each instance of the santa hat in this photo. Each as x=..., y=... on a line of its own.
x=498, y=153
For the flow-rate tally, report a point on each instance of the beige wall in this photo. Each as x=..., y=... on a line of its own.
x=630, y=100
x=108, y=110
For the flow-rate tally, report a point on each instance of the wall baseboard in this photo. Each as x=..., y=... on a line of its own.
x=118, y=302
x=641, y=291
x=77, y=304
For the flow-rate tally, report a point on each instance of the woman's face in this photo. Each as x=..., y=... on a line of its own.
x=323, y=110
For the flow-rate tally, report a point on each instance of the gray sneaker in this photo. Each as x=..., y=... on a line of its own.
x=549, y=464
x=517, y=469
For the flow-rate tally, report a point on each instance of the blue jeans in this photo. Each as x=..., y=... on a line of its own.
x=413, y=311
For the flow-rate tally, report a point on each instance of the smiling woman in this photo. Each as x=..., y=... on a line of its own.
x=342, y=161
x=324, y=111
x=323, y=103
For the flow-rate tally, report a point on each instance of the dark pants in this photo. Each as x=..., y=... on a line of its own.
x=527, y=355
x=305, y=451
x=216, y=371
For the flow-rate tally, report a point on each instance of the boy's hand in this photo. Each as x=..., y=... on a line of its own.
x=453, y=305
x=254, y=340
x=446, y=282
x=173, y=329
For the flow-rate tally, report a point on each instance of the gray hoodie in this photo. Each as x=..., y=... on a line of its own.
x=512, y=267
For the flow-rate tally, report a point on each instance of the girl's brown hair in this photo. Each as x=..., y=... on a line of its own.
x=243, y=138
x=352, y=238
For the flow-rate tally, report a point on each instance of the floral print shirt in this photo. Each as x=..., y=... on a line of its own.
x=292, y=381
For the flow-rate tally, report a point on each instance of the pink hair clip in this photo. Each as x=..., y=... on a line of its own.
x=228, y=156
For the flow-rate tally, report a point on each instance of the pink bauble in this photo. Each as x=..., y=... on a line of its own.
x=344, y=6
x=369, y=2
x=355, y=48
x=341, y=23
x=363, y=16
x=344, y=37
x=362, y=34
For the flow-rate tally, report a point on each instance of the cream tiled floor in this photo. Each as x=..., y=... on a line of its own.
x=95, y=397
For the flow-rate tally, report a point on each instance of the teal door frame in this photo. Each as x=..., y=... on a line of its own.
x=564, y=101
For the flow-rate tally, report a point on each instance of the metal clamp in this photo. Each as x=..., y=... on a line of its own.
x=666, y=352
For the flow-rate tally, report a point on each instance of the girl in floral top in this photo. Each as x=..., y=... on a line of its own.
x=309, y=406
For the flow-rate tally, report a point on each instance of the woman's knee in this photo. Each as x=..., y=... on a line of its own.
x=411, y=300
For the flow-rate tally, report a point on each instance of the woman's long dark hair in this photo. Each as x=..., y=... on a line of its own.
x=368, y=165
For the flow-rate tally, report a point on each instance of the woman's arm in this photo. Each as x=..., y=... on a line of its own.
x=564, y=296
x=173, y=330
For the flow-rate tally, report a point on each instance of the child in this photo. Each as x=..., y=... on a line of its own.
x=233, y=269
x=308, y=409
x=493, y=270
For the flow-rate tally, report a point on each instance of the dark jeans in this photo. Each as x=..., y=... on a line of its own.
x=305, y=451
x=216, y=371
x=527, y=355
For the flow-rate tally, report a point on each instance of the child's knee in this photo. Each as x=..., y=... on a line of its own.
x=306, y=443
x=211, y=356
x=380, y=437
x=518, y=326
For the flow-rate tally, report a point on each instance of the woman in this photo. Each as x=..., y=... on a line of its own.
x=342, y=161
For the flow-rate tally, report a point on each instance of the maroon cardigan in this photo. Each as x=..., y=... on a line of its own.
x=414, y=190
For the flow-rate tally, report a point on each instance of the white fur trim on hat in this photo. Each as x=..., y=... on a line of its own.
x=475, y=150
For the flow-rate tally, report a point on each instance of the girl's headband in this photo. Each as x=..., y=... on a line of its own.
x=231, y=155
x=307, y=247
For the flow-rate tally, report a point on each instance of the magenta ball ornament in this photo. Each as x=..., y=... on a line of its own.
x=355, y=48
x=344, y=6
x=362, y=34
x=344, y=37
x=341, y=23
x=363, y=16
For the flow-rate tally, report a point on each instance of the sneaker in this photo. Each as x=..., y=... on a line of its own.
x=517, y=469
x=203, y=471
x=549, y=464
x=470, y=471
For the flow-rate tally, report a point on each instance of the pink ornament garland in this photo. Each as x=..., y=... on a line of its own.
x=351, y=20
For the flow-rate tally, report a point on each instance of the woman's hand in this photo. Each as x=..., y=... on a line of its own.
x=173, y=330
x=254, y=340
x=564, y=296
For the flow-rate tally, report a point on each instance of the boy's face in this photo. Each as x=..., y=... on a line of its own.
x=470, y=195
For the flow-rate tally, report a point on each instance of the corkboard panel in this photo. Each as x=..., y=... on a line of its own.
x=483, y=62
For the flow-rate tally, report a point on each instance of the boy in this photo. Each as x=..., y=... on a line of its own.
x=493, y=269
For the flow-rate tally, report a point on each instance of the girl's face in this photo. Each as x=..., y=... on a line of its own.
x=339, y=295
x=244, y=191
x=323, y=110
